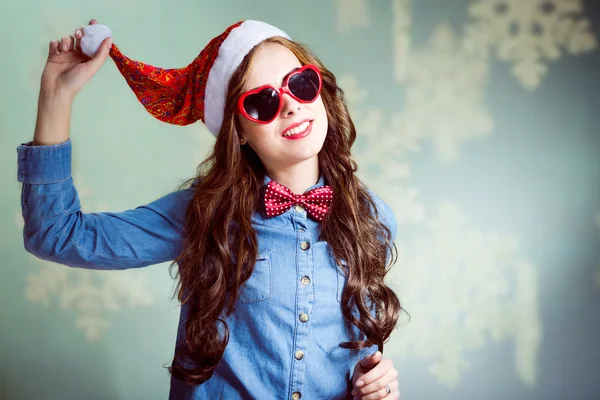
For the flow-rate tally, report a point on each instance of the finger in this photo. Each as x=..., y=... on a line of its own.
x=78, y=32
x=71, y=42
x=378, y=387
x=78, y=35
x=395, y=395
x=371, y=360
x=377, y=372
x=375, y=387
x=380, y=394
x=376, y=358
x=98, y=59
x=394, y=391
x=365, y=364
x=376, y=390
x=66, y=44
x=53, y=47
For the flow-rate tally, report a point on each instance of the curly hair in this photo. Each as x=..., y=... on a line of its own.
x=218, y=226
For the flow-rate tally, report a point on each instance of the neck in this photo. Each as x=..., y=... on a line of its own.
x=298, y=177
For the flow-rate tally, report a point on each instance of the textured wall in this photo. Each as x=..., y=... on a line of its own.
x=478, y=123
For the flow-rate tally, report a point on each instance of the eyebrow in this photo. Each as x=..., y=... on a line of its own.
x=282, y=80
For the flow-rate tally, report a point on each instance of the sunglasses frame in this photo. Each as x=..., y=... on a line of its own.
x=284, y=89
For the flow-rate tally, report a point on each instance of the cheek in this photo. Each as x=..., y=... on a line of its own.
x=260, y=137
x=251, y=129
x=321, y=113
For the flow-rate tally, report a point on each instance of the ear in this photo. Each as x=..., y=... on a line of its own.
x=241, y=137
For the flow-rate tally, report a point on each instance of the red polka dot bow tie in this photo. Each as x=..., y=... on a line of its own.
x=279, y=199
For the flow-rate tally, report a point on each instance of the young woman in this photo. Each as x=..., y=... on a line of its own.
x=281, y=250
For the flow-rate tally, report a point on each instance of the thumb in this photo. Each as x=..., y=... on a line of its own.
x=371, y=360
x=101, y=55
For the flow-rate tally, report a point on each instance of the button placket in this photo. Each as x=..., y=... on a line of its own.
x=305, y=299
x=300, y=211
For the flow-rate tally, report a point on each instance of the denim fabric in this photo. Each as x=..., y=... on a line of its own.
x=291, y=302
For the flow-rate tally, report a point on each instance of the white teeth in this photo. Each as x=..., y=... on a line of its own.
x=296, y=130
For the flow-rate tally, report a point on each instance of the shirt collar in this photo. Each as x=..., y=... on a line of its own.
x=320, y=182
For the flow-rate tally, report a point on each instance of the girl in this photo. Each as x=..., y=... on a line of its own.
x=281, y=250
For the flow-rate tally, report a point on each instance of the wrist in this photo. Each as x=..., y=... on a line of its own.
x=53, y=118
x=53, y=98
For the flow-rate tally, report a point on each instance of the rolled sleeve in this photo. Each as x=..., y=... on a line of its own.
x=44, y=164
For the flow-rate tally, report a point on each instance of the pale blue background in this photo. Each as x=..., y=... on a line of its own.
x=535, y=176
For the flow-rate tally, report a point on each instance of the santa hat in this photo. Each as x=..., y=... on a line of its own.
x=198, y=91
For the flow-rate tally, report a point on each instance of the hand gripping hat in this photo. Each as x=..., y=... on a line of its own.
x=198, y=91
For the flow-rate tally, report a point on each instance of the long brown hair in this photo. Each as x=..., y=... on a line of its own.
x=218, y=226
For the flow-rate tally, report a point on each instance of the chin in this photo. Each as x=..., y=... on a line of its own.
x=314, y=146
x=303, y=155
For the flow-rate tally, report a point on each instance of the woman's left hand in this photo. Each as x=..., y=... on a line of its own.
x=375, y=373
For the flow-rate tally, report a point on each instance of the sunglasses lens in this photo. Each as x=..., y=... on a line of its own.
x=305, y=85
x=262, y=105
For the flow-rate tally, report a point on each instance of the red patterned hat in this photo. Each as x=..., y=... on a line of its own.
x=198, y=91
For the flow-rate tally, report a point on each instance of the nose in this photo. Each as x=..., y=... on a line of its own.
x=289, y=105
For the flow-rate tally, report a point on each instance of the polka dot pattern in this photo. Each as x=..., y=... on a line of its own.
x=279, y=199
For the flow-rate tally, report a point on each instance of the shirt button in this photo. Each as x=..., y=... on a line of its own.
x=296, y=395
x=303, y=317
x=298, y=208
x=305, y=245
x=299, y=354
x=305, y=280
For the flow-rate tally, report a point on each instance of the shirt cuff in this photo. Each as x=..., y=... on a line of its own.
x=44, y=164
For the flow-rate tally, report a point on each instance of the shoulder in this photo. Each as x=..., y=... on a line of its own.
x=384, y=212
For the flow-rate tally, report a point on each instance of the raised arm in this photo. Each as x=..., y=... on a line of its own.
x=57, y=230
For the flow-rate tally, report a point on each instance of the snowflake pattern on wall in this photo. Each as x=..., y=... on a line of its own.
x=352, y=14
x=401, y=34
x=93, y=295
x=463, y=287
x=489, y=288
x=384, y=142
x=445, y=90
x=529, y=33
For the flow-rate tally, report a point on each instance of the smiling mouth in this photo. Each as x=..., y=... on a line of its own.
x=298, y=131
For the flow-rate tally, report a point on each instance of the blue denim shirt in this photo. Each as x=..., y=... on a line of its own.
x=285, y=331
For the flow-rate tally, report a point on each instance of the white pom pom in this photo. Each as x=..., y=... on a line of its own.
x=93, y=35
